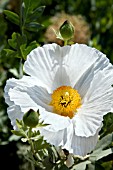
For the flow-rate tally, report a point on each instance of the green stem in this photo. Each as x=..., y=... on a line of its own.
x=21, y=69
x=65, y=42
x=21, y=19
x=32, y=166
x=31, y=142
x=32, y=147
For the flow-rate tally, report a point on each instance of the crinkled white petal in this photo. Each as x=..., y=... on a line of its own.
x=79, y=59
x=101, y=64
x=97, y=102
x=55, y=138
x=38, y=98
x=22, y=99
x=46, y=63
x=68, y=140
x=14, y=112
x=55, y=121
x=25, y=97
x=57, y=66
x=84, y=145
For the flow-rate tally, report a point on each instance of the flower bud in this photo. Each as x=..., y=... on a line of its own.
x=31, y=118
x=67, y=30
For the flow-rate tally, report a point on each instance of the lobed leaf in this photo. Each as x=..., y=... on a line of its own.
x=26, y=50
x=19, y=132
x=29, y=6
x=16, y=40
x=34, y=15
x=11, y=53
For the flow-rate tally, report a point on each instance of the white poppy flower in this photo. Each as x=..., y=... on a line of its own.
x=71, y=87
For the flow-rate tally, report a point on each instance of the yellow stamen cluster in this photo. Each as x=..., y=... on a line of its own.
x=65, y=101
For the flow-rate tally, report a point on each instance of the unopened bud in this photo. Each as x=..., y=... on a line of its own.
x=67, y=30
x=31, y=118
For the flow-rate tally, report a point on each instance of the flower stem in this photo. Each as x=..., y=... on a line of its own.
x=21, y=69
x=65, y=42
x=32, y=166
x=31, y=143
x=21, y=19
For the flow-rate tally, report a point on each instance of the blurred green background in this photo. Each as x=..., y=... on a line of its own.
x=93, y=22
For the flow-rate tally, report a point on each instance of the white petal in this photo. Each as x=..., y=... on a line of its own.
x=54, y=138
x=79, y=59
x=22, y=99
x=97, y=102
x=67, y=139
x=40, y=96
x=34, y=98
x=24, y=81
x=84, y=82
x=12, y=97
x=68, y=136
x=100, y=64
x=45, y=63
x=82, y=145
x=95, y=89
x=60, y=65
x=61, y=78
x=14, y=112
x=55, y=121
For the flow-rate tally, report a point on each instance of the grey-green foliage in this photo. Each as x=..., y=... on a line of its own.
x=103, y=149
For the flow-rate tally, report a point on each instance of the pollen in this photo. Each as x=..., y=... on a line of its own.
x=65, y=101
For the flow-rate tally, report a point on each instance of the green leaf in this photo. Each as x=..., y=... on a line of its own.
x=29, y=6
x=16, y=40
x=14, y=72
x=18, y=43
x=99, y=151
x=95, y=166
x=40, y=144
x=22, y=49
x=42, y=125
x=104, y=142
x=53, y=154
x=11, y=53
x=19, y=123
x=91, y=167
x=19, y=132
x=34, y=15
x=81, y=166
x=107, y=124
x=11, y=16
x=30, y=47
x=104, y=153
x=14, y=138
x=33, y=26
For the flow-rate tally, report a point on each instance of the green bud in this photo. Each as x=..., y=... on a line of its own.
x=31, y=118
x=67, y=30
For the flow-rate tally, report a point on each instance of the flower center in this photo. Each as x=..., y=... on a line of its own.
x=65, y=101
